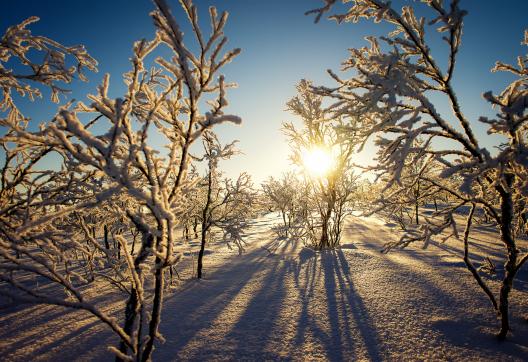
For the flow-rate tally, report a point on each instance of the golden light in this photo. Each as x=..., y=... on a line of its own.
x=317, y=161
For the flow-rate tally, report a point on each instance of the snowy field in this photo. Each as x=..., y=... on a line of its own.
x=282, y=301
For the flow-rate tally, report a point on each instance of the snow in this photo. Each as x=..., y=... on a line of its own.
x=282, y=301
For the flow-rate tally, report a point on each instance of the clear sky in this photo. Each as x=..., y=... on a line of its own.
x=280, y=46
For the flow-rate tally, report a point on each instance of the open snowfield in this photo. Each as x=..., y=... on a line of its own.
x=282, y=301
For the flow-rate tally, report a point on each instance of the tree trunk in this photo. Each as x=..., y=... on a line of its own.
x=107, y=245
x=417, y=202
x=324, y=243
x=118, y=247
x=470, y=265
x=195, y=227
x=325, y=240
x=416, y=212
x=134, y=237
x=133, y=306
x=202, y=251
x=131, y=311
x=284, y=222
x=507, y=284
x=206, y=222
x=510, y=268
x=156, y=313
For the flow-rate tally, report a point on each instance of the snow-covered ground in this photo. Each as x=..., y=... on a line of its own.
x=281, y=301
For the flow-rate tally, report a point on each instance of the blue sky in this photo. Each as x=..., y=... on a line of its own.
x=280, y=45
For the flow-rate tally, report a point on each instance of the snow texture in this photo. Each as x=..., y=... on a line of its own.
x=282, y=301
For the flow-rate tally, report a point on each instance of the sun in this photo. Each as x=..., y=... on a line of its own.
x=317, y=161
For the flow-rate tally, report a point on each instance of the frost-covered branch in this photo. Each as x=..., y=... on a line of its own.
x=390, y=98
x=68, y=223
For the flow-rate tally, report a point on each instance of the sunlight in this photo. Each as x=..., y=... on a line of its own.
x=317, y=161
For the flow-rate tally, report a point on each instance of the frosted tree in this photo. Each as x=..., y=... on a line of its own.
x=233, y=217
x=193, y=200
x=390, y=98
x=17, y=45
x=27, y=191
x=330, y=190
x=284, y=195
x=227, y=204
x=413, y=189
x=165, y=100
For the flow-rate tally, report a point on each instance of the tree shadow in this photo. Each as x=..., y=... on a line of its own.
x=344, y=326
x=336, y=263
x=466, y=332
x=191, y=311
x=270, y=321
x=70, y=334
x=301, y=304
x=257, y=325
x=451, y=288
x=43, y=332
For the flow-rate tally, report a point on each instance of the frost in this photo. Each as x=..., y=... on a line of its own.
x=68, y=224
x=387, y=99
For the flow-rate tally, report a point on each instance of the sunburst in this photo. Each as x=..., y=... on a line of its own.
x=317, y=160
